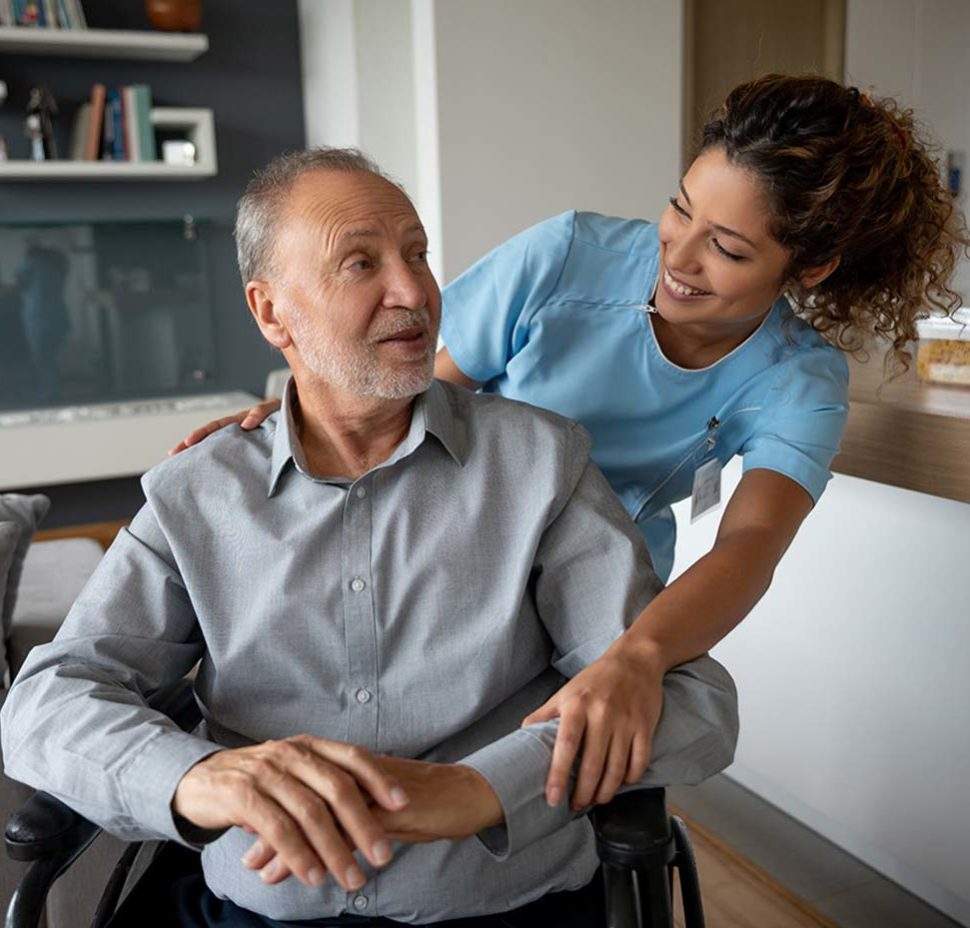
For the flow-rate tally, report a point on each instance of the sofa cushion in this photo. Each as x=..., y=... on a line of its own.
x=24, y=513
x=53, y=576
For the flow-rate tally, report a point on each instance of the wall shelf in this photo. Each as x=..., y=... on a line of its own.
x=102, y=43
x=197, y=124
x=99, y=170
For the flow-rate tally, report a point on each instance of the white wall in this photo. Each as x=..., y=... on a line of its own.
x=916, y=51
x=550, y=104
x=496, y=114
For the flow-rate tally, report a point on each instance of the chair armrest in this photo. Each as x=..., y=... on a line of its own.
x=43, y=825
x=633, y=830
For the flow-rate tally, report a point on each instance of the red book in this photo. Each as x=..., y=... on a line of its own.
x=92, y=148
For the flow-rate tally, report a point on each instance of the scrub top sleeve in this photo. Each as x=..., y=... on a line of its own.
x=800, y=427
x=485, y=312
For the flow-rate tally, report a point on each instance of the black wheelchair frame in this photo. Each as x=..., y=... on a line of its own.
x=640, y=848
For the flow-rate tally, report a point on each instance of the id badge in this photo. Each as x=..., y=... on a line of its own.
x=706, y=494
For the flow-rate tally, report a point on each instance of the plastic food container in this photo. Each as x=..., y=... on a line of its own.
x=943, y=355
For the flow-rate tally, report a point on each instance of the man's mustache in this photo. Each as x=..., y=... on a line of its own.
x=402, y=321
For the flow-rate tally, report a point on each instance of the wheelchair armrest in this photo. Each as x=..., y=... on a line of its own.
x=44, y=826
x=633, y=830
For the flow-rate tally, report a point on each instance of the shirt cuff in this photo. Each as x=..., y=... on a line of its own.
x=516, y=767
x=149, y=782
x=808, y=474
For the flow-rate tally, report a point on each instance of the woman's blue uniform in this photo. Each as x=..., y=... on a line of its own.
x=556, y=317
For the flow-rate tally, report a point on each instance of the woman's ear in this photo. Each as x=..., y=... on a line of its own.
x=813, y=276
x=259, y=298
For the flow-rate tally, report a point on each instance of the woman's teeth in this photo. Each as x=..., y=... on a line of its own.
x=680, y=288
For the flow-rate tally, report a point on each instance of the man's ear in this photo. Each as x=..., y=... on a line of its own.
x=259, y=299
x=813, y=276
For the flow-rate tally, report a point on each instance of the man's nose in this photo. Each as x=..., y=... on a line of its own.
x=406, y=286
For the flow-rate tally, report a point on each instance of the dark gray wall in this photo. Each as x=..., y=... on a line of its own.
x=250, y=78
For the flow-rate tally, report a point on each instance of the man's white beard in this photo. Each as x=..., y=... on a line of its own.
x=358, y=369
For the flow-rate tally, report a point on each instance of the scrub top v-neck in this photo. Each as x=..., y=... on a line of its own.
x=557, y=317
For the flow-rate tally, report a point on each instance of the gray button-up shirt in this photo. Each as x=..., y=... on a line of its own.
x=421, y=610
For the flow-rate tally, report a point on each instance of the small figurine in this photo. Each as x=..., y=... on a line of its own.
x=39, y=126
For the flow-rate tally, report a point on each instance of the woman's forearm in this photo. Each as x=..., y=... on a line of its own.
x=702, y=605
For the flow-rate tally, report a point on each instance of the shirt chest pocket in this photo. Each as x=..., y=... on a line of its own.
x=721, y=438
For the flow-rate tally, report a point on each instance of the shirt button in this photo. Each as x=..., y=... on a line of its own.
x=357, y=584
x=360, y=902
x=361, y=492
x=363, y=696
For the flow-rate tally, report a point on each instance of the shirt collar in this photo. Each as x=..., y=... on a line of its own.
x=433, y=412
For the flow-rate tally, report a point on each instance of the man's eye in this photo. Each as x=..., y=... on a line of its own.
x=361, y=264
x=420, y=258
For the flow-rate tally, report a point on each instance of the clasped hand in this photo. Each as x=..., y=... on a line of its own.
x=312, y=802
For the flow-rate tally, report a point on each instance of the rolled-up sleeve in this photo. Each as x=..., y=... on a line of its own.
x=592, y=579
x=76, y=723
x=798, y=432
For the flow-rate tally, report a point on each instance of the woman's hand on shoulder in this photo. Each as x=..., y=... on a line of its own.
x=247, y=419
x=610, y=711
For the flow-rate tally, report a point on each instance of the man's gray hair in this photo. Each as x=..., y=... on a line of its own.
x=265, y=197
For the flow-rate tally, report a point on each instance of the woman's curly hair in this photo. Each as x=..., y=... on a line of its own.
x=850, y=176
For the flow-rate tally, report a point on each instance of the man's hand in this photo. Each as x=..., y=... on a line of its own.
x=611, y=708
x=302, y=796
x=445, y=801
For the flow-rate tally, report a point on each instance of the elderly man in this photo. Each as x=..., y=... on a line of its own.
x=380, y=583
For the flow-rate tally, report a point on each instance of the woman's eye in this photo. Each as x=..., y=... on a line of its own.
x=361, y=264
x=678, y=208
x=420, y=258
x=725, y=252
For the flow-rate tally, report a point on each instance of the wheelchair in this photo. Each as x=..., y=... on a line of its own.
x=640, y=848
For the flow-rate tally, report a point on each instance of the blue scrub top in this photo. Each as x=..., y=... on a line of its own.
x=556, y=317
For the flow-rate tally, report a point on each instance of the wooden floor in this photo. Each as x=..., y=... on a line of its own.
x=738, y=894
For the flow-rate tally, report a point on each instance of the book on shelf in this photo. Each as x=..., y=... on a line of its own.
x=145, y=132
x=79, y=135
x=43, y=14
x=113, y=148
x=92, y=146
x=120, y=124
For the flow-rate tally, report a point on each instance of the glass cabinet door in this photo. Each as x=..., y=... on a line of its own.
x=95, y=312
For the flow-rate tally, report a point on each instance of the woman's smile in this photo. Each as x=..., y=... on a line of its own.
x=679, y=290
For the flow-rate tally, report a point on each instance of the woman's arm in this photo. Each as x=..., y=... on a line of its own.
x=611, y=708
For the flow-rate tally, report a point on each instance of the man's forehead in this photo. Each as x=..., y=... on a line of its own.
x=348, y=206
x=363, y=232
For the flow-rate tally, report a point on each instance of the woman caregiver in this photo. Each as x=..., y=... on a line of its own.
x=813, y=219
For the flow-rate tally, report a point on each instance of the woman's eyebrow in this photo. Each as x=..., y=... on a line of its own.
x=724, y=230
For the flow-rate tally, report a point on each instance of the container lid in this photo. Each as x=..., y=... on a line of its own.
x=956, y=328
